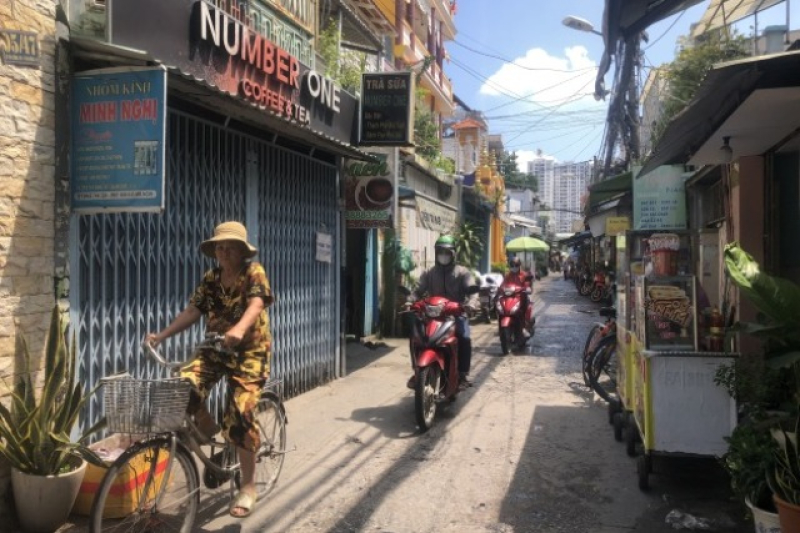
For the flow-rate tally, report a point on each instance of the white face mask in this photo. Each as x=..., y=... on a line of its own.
x=444, y=259
x=514, y=269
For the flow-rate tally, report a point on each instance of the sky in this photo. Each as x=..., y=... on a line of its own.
x=533, y=77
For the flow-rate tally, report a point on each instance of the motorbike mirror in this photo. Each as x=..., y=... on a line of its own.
x=405, y=291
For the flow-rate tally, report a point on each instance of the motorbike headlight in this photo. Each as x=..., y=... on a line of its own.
x=433, y=311
x=508, y=291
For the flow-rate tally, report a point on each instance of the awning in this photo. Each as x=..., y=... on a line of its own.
x=608, y=189
x=577, y=238
x=518, y=220
x=754, y=101
x=721, y=13
x=216, y=99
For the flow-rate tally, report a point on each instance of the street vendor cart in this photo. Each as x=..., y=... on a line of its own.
x=669, y=402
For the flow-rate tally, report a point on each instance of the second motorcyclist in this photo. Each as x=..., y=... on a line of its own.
x=518, y=276
x=451, y=281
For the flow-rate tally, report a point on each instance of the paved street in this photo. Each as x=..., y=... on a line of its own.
x=527, y=449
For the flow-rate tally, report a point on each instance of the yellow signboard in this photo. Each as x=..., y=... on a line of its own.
x=617, y=225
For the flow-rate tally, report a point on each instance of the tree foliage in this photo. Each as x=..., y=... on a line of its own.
x=507, y=165
x=345, y=67
x=426, y=130
x=469, y=244
x=685, y=74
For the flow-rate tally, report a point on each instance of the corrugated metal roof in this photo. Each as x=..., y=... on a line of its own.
x=721, y=13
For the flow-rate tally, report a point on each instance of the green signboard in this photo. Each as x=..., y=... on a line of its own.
x=659, y=199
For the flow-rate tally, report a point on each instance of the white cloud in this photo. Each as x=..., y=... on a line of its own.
x=523, y=156
x=551, y=107
x=567, y=78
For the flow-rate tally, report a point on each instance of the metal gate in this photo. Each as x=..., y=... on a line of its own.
x=132, y=273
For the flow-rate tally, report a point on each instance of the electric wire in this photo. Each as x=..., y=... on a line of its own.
x=515, y=64
x=650, y=45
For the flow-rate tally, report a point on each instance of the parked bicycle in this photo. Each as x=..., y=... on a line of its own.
x=599, y=363
x=158, y=470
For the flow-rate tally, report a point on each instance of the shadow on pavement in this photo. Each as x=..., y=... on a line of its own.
x=583, y=482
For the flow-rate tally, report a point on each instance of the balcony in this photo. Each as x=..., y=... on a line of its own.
x=413, y=52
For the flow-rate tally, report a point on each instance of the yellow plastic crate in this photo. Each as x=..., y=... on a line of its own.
x=124, y=494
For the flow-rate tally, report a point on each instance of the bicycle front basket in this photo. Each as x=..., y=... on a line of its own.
x=145, y=406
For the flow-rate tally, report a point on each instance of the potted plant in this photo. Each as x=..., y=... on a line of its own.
x=784, y=477
x=47, y=465
x=748, y=461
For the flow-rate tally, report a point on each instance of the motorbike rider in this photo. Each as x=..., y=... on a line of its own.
x=518, y=276
x=451, y=281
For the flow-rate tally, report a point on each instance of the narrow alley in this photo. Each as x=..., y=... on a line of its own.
x=527, y=449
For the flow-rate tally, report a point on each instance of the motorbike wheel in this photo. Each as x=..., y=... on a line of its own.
x=425, y=395
x=585, y=288
x=505, y=340
x=597, y=294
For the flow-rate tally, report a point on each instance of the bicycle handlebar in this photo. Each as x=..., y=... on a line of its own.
x=213, y=341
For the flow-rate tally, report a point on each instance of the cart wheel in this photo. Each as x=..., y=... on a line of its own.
x=613, y=408
x=631, y=439
x=643, y=471
x=619, y=426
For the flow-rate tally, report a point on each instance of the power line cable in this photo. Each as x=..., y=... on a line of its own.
x=513, y=63
x=650, y=45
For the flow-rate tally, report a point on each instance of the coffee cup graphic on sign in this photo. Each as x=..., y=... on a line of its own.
x=375, y=194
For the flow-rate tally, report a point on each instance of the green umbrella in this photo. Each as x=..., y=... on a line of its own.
x=526, y=244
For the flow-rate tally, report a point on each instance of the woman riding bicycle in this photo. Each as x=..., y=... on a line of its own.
x=233, y=297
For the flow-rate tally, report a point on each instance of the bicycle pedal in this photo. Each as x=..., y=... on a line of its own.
x=212, y=480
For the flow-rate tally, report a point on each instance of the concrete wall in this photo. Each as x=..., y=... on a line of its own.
x=27, y=193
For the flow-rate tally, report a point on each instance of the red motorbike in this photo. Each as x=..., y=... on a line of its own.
x=602, y=291
x=509, y=316
x=434, y=354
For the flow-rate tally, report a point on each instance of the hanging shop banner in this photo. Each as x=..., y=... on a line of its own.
x=434, y=216
x=387, y=109
x=659, y=199
x=118, y=133
x=369, y=192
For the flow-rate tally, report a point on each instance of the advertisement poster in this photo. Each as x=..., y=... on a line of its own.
x=369, y=192
x=659, y=199
x=118, y=126
x=670, y=319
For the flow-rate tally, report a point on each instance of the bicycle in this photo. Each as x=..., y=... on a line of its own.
x=158, y=470
x=599, y=331
x=602, y=364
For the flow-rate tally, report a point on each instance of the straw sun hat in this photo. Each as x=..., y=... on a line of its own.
x=228, y=231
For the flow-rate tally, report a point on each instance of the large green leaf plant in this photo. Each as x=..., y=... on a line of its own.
x=778, y=304
x=35, y=430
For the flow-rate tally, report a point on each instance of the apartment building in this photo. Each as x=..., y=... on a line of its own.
x=561, y=187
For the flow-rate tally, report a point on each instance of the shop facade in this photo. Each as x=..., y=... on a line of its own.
x=252, y=134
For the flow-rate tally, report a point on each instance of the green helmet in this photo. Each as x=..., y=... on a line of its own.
x=445, y=248
x=446, y=242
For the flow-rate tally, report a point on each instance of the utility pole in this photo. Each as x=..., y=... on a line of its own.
x=623, y=111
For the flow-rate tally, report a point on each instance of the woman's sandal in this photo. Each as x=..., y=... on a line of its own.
x=245, y=502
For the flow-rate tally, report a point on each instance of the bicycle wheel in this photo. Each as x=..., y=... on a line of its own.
x=588, y=349
x=136, y=495
x=603, y=369
x=272, y=427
